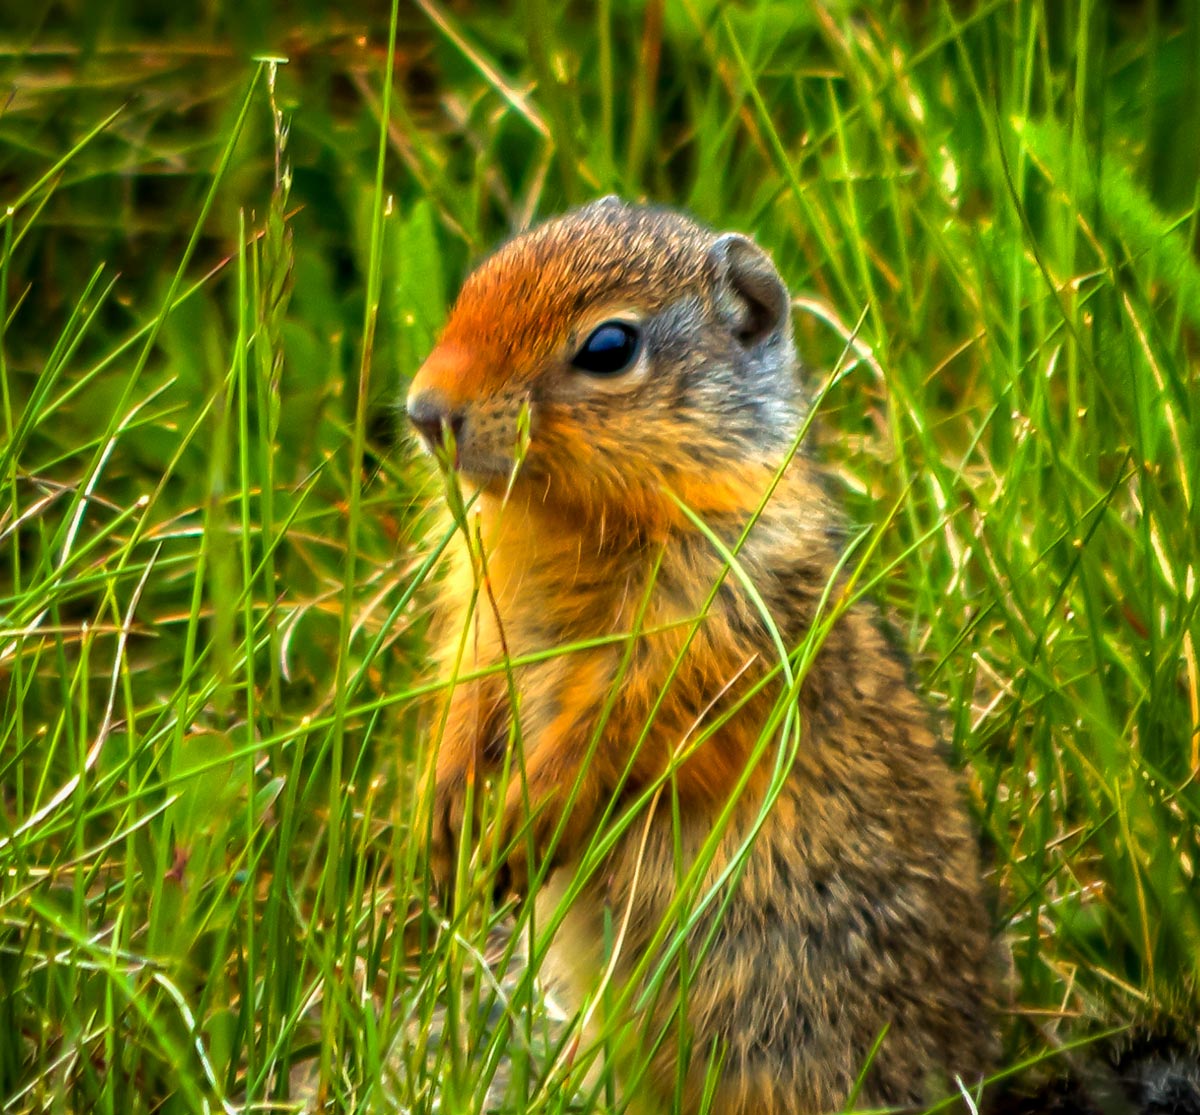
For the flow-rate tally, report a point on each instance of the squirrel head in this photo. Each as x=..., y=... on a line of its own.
x=652, y=355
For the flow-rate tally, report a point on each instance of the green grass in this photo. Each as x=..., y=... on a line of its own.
x=213, y=557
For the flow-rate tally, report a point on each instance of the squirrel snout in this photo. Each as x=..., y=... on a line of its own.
x=429, y=412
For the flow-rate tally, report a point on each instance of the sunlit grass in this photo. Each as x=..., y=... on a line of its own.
x=213, y=582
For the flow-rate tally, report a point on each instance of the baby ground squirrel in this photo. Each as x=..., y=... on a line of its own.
x=650, y=363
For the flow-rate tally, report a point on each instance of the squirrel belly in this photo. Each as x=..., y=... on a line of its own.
x=848, y=946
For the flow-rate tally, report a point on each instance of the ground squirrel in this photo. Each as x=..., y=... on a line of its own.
x=650, y=365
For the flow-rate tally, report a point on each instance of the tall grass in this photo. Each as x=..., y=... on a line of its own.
x=217, y=273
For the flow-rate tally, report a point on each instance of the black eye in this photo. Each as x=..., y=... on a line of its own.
x=611, y=348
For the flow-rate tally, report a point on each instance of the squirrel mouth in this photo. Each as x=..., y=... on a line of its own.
x=473, y=462
x=483, y=469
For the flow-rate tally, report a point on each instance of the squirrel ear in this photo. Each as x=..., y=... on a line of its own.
x=750, y=294
x=609, y=201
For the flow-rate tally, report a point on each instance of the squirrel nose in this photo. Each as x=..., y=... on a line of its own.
x=432, y=416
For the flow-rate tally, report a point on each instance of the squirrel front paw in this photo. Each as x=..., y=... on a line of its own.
x=446, y=830
x=453, y=824
x=515, y=833
x=529, y=831
x=532, y=840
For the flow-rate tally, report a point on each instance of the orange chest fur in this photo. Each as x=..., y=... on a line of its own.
x=606, y=657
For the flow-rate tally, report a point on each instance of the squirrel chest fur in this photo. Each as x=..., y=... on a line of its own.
x=651, y=362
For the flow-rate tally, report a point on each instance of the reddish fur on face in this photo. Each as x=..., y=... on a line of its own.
x=522, y=302
x=859, y=908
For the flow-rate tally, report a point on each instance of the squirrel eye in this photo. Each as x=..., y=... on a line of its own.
x=611, y=348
